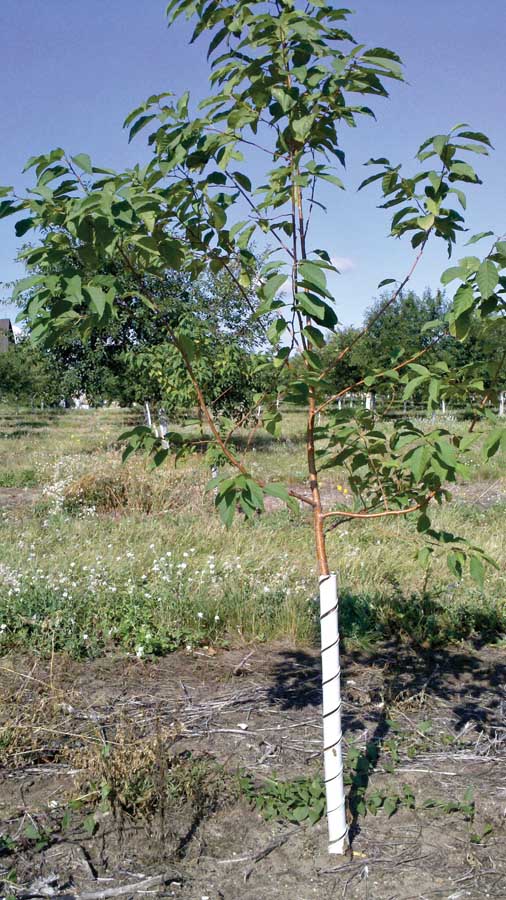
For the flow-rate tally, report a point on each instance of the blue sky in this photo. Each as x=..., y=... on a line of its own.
x=70, y=72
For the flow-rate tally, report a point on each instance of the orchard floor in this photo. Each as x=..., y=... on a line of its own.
x=438, y=719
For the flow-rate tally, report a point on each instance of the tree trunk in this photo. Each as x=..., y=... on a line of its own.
x=332, y=731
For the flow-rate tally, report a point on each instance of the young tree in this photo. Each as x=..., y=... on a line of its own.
x=229, y=375
x=286, y=78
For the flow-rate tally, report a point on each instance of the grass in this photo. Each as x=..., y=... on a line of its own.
x=113, y=557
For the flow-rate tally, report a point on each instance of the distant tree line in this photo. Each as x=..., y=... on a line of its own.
x=132, y=362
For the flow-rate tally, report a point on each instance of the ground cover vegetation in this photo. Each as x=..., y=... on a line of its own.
x=158, y=578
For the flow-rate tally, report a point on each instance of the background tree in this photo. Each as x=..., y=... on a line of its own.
x=99, y=364
x=29, y=376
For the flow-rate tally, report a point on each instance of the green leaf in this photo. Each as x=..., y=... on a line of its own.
x=314, y=335
x=391, y=805
x=90, y=824
x=487, y=278
x=477, y=570
x=422, y=525
x=243, y=180
x=454, y=561
x=333, y=179
x=217, y=214
x=84, y=162
x=417, y=461
x=313, y=274
x=452, y=273
x=279, y=491
x=478, y=237
x=22, y=226
x=413, y=385
x=316, y=308
x=493, y=442
x=419, y=369
x=271, y=286
x=302, y=127
x=98, y=299
x=463, y=300
x=300, y=813
x=225, y=503
x=25, y=284
x=423, y=556
x=140, y=123
x=463, y=171
x=187, y=345
x=32, y=832
x=276, y=329
x=426, y=222
x=475, y=136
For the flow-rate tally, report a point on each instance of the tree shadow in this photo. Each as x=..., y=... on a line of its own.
x=468, y=682
x=35, y=423
x=17, y=433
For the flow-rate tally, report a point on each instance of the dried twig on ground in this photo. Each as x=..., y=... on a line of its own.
x=131, y=888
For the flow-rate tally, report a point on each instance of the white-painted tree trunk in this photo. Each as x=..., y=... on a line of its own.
x=147, y=415
x=214, y=474
x=443, y=406
x=332, y=731
x=502, y=403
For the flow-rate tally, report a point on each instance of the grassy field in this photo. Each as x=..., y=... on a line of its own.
x=201, y=767
x=97, y=556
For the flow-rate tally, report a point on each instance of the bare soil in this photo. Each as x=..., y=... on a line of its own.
x=482, y=494
x=439, y=719
x=12, y=498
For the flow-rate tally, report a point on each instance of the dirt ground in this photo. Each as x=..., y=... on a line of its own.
x=482, y=494
x=438, y=720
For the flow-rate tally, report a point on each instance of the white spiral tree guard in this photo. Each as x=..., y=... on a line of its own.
x=332, y=731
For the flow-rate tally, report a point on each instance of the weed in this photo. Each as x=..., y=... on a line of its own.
x=139, y=777
x=18, y=478
x=479, y=838
x=39, y=837
x=7, y=845
x=297, y=801
x=466, y=806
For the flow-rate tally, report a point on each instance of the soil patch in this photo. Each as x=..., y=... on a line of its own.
x=14, y=498
x=438, y=721
x=482, y=494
